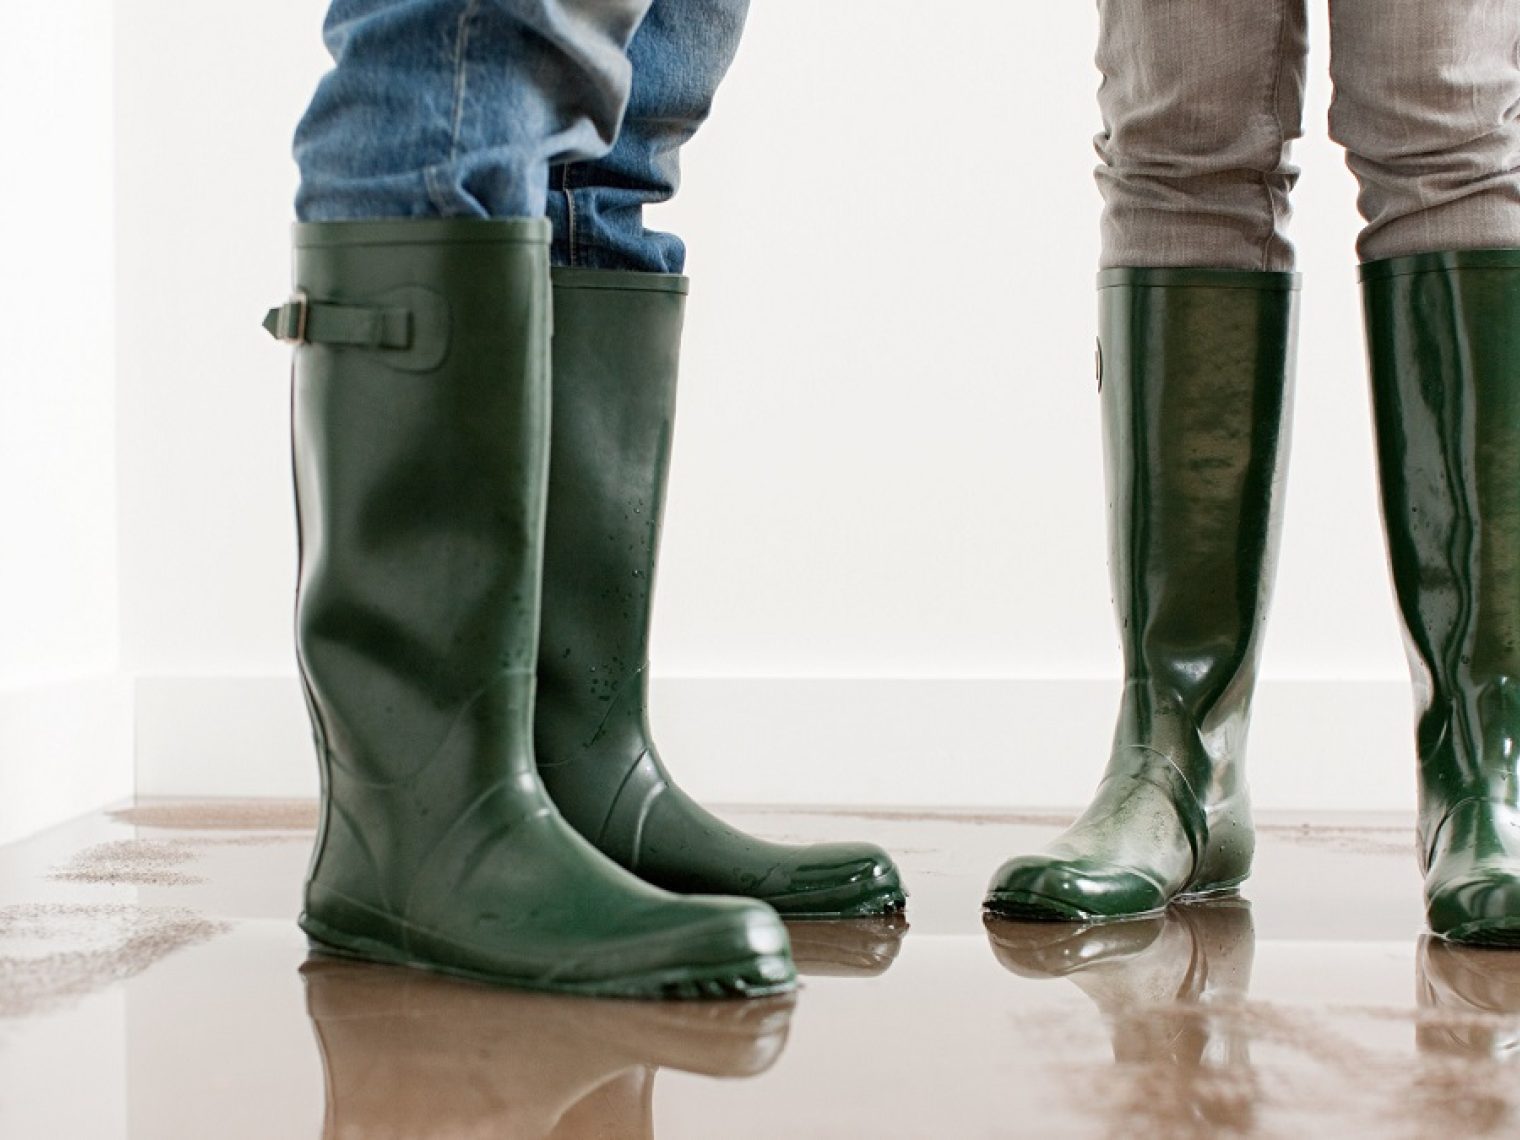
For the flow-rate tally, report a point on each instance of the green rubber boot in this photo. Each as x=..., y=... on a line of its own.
x=421, y=441
x=1195, y=381
x=616, y=344
x=1443, y=336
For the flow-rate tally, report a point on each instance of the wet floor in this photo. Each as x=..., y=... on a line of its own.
x=153, y=985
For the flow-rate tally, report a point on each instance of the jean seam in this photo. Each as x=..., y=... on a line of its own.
x=434, y=181
x=461, y=75
x=1276, y=111
x=572, y=236
x=439, y=178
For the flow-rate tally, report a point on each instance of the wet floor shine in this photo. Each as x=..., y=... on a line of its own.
x=153, y=985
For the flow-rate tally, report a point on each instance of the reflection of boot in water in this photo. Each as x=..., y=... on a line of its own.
x=1171, y=989
x=1468, y=1036
x=1469, y=1001
x=414, y=1055
x=857, y=948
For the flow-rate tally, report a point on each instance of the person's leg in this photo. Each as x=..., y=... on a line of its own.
x=1201, y=102
x=458, y=108
x=616, y=353
x=680, y=55
x=1196, y=338
x=420, y=407
x=1427, y=104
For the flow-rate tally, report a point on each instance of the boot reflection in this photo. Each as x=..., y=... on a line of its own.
x=417, y=1055
x=1172, y=990
x=1469, y=1001
x=852, y=948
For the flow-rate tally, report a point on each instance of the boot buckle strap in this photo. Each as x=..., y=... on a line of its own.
x=300, y=321
x=287, y=322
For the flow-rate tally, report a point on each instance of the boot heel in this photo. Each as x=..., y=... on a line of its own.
x=1227, y=857
x=333, y=922
x=1212, y=891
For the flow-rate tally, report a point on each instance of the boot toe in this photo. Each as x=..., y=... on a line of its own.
x=836, y=880
x=1041, y=889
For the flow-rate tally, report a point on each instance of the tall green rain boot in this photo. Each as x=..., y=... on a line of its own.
x=1443, y=336
x=421, y=443
x=616, y=345
x=1195, y=368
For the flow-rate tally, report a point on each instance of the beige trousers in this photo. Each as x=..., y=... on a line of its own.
x=1202, y=99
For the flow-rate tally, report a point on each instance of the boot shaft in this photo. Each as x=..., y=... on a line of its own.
x=1196, y=382
x=420, y=472
x=1443, y=342
x=616, y=350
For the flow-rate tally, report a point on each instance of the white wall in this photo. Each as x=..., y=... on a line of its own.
x=63, y=736
x=205, y=102
x=888, y=455
x=889, y=446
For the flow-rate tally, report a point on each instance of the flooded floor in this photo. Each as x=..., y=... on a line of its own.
x=153, y=985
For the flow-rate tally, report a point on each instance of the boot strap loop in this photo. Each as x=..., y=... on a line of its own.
x=304, y=321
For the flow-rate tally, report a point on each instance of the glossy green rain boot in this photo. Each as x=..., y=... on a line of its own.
x=1195, y=382
x=616, y=344
x=1443, y=336
x=421, y=443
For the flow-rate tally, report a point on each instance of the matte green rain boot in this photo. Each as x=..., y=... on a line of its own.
x=420, y=425
x=1194, y=374
x=1443, y=336
x=616, y=344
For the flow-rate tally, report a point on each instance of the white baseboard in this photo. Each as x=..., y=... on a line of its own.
x=65, y=749
x=1335, y=745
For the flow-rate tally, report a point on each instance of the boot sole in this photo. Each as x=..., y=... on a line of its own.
x=1026, y=906
x=755, y=976
x=1498, y=934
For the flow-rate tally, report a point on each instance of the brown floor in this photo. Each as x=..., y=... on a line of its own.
x=152, y=986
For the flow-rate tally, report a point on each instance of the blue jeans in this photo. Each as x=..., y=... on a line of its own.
x=574, y=109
